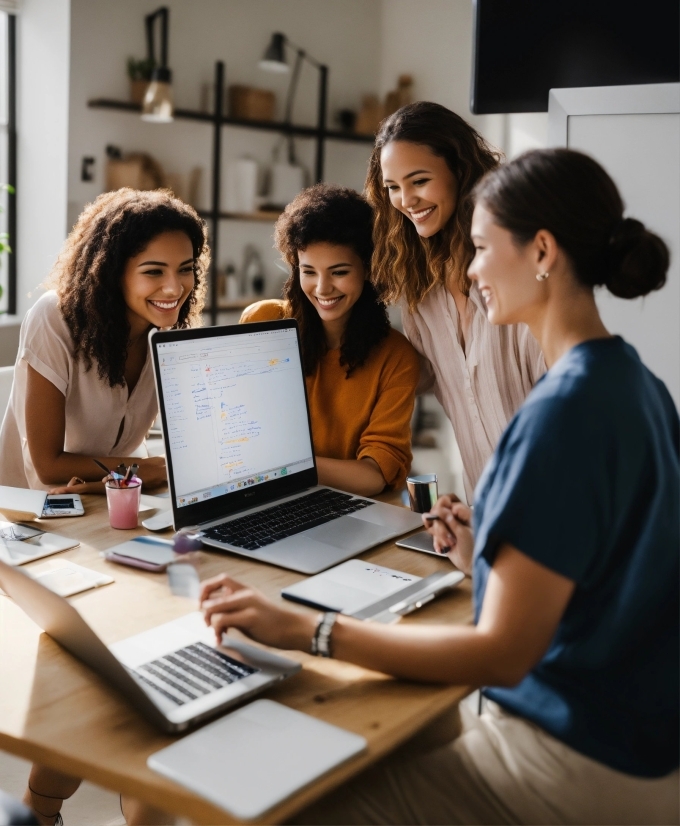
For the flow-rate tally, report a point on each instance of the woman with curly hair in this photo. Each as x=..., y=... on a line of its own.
x=425, y=163
x=361, y=374
x=83, y=382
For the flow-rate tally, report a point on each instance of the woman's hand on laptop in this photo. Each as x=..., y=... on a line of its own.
x=452, y=531
x=227, y=604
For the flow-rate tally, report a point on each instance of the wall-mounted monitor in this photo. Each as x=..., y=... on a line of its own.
x=524, y=48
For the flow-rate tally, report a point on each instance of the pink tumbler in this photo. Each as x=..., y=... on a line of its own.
x=124, y=504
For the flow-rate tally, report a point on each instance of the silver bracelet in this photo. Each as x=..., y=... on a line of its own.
x=321, y=641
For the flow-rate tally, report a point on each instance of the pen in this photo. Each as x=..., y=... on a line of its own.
x=102, y=466
x=431, y=517
x=110, y=474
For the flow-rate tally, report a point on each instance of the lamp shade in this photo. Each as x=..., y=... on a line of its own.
x=158, y=104
x=274, y=59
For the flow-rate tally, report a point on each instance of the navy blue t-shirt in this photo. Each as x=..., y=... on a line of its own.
x=586, y=481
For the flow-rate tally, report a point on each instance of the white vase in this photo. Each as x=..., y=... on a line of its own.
x=241, y=186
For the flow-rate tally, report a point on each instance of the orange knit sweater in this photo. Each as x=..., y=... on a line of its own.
x=367, y=414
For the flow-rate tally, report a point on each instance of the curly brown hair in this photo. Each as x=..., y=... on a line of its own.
x=404, y=264
x=340, y=216
x=87, y=275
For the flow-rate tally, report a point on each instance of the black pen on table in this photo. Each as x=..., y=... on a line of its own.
x=432, y=517
x=109, y=473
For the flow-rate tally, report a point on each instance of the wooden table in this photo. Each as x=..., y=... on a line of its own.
x=56, y=711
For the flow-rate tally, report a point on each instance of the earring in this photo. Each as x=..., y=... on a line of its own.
x=541, y=276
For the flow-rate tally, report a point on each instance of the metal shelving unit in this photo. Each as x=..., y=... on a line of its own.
x=218, y=120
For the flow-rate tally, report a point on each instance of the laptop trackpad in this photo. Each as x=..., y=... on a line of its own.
x=347, y=533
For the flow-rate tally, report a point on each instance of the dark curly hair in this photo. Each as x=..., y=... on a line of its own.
x=404, y=264
x=111, y=230
x=330, y=214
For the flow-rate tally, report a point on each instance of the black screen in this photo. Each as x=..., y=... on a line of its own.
x=524, y=48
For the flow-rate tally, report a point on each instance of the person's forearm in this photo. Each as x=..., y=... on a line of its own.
x=57, y=470
x=360, y=476
x=458, y=655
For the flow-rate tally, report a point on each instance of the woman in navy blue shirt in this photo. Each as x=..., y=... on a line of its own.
x=574, y=557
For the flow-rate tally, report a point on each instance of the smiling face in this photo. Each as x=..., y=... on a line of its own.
x=420, y=184
x=506, y=272
x=332, y=277
x=158, y=281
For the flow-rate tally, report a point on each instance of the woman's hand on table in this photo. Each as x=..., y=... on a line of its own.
x=77, y=485
x=227, y=604
x=452, y=531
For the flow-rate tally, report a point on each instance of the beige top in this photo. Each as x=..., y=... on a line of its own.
x=481, y=387
x=94, y=410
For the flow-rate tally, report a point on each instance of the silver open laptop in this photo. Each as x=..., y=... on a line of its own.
x=173, y=674
x=238, y=442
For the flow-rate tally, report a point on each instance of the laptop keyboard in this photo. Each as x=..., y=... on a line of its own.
x=192, y=672
x=267, y=526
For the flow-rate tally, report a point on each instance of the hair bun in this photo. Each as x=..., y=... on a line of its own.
x=638, y=260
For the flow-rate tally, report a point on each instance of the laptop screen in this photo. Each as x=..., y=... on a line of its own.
x=235, y=411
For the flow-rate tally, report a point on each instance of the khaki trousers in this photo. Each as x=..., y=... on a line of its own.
x=500, y=769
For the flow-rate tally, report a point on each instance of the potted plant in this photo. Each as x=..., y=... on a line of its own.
x=139, y=72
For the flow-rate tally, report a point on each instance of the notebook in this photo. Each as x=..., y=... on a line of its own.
x=370, y=592
x=67, y=578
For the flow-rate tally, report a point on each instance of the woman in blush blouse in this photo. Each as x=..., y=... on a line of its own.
x=424, y=165
x=83, y=382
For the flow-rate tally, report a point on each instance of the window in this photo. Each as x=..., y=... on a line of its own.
x=8, y=155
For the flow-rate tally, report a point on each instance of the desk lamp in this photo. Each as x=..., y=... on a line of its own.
x=158, y=105
x=274, y=60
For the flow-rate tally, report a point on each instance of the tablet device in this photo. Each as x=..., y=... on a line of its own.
x=143, y=552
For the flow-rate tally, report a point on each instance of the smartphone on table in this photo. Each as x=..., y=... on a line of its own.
x=62, y=504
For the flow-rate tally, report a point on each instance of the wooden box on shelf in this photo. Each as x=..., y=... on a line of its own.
x=248, y=103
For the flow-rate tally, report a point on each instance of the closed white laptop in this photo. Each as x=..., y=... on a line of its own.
x=240, y=455
x=22, y=504
x=256, y=757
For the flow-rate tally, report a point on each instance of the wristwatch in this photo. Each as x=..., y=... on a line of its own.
x=321, y=641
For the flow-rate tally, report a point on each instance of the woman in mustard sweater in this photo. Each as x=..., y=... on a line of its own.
x=361, y=374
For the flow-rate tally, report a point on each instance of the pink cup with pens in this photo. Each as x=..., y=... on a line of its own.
x=124, y=503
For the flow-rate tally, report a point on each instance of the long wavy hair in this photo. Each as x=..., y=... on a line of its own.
x=325, y=213
x=87, y=276
x=404, y=264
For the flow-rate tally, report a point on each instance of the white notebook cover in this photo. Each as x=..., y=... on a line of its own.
x=349, y=587
x=255, y=757
x=67, y=578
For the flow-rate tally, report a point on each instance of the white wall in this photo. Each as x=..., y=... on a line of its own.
x=42, y=150
x=641, y=154
x=432, y=40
